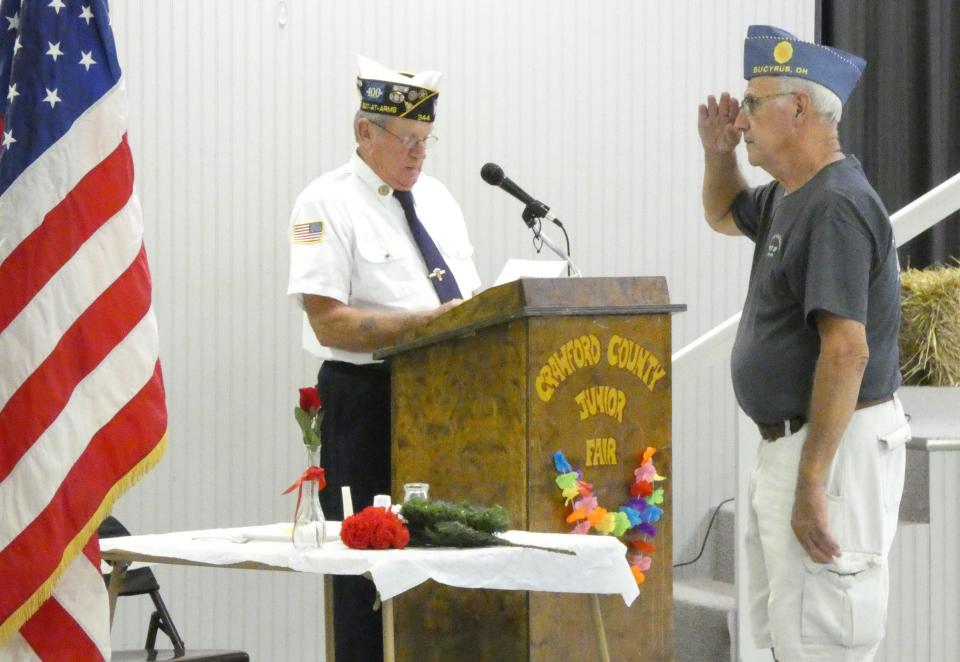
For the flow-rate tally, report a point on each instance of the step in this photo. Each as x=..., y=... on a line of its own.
x=704, y=611
x=723, y=538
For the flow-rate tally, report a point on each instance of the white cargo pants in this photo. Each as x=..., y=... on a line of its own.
x=834, y=612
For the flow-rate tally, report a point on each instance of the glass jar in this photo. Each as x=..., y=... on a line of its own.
x=415, y=491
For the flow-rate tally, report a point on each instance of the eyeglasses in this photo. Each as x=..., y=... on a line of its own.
x=751, y=104
x=409, y=142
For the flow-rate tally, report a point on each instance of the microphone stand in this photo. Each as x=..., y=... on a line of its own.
x=535, y=212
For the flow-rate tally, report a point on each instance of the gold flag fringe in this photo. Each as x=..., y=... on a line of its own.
x=75, y=546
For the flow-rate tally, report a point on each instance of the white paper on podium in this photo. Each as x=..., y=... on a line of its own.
x=516, y=268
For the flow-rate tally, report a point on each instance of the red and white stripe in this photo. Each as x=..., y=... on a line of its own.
x=82, y=411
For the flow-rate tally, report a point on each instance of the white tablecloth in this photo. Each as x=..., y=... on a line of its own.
x=599, y=565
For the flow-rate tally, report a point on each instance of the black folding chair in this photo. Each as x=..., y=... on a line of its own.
x=141, y=581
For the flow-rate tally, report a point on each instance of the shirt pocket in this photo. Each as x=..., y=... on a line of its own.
x=386, y=274
x=458, y=254
x=457, y=250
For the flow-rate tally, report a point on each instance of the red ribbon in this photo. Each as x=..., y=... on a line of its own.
x=312, y=473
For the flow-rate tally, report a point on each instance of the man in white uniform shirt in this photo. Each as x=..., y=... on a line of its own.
x=377, y=248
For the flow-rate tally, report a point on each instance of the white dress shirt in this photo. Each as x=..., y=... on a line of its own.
x=350, y=241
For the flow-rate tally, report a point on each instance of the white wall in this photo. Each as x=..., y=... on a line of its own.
x=590, y=106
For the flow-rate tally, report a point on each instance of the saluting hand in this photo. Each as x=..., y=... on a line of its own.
x=715, y=124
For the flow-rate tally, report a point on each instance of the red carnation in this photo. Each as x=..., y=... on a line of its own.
x=382, y=537
x=355, y=531
x=309, y=399
x=401, y=535
x=374, y=528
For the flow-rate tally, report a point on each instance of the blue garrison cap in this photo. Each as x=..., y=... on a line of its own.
x=770, y=51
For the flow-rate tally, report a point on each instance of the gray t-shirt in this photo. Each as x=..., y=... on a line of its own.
x=827, y=246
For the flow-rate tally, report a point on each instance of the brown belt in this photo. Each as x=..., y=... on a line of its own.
x=773, y=431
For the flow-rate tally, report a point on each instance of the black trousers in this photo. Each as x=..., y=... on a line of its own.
x=356, y=452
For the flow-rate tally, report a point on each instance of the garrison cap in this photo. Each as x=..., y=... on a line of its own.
x=770, y=51
x=397, y=94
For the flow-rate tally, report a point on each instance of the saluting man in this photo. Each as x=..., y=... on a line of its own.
x=377, y=248
x=815, y=363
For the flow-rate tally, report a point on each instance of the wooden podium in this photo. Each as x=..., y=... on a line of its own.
x=482, y=398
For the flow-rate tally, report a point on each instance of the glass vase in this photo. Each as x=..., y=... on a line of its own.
x=309, y=522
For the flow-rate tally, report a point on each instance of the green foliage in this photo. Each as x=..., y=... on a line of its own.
x=309, y=425
x=422, y=513
x=452, y=534
x=444, y=524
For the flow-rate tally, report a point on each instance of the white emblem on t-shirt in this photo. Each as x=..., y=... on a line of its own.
x=775, y=243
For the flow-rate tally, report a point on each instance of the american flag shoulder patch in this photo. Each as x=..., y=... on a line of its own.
x=310, y=232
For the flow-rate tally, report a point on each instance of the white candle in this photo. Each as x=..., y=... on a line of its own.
x=347, y=501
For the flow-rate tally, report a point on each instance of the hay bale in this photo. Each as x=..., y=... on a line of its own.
x=930, y=329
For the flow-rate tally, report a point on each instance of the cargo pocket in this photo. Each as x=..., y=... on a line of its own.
x=844, y=603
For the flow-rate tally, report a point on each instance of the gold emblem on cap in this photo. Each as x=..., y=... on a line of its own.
x=383, y=189
x=782, y=52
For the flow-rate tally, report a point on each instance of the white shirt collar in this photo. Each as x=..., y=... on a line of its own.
x=366, y=174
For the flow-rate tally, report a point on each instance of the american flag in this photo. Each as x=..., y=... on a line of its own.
x=82, y=413
x=308, y=233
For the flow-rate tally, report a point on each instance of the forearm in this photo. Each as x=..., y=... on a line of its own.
x=358, y=330
x=722, y=182
x=836, y=386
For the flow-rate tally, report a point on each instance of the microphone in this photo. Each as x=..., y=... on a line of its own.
x=493, y=174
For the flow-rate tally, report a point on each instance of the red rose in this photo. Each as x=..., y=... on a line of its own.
x=309, y=399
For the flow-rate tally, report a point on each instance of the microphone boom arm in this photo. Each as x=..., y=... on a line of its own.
x=530, y=215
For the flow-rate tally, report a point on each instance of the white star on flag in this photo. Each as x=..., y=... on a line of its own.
x=12, y=92
x=14, y=22
x=52, y=97
x=57, y=5
x=87, y=59
x=8, y=138
x=17, y=45
x=54, y=50
x=86, y=14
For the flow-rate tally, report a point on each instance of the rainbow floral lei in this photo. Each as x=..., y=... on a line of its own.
x=632, y=523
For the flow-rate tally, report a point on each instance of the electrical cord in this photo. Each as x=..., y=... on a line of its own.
x=557, y=222
x=713, y=517
x=537, y=226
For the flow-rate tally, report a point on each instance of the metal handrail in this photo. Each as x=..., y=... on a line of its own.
x=933, y=445
x=921, y=214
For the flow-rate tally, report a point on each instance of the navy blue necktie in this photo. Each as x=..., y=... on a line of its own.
x=437, y=270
